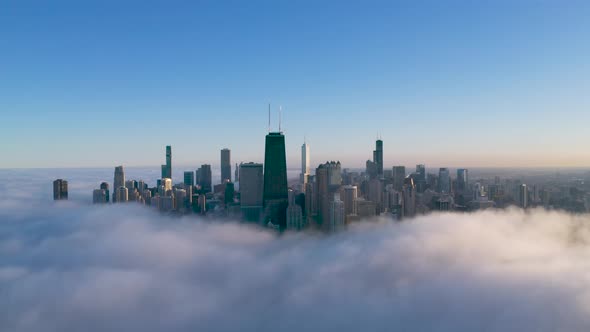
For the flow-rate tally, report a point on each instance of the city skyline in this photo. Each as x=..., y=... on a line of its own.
x=461, y=84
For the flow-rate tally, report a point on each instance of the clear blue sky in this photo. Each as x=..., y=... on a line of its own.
x=448, y=83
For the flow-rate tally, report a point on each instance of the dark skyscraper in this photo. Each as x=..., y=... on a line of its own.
x=60, y=189
x=204, y=178
x=275, y=179
x=167, y=169
x=225, y=165
x=420, y=181
x=105, y=186
x=378, y=157
x=399, y=175
x=189, y=178
x=444, y=180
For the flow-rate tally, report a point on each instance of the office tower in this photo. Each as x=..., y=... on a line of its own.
x=420, y=180
x=375, y=194
x=399, y=174
x=147, y=196
x=99, y=196
x=337, y=214
x=371, y=169
x=189, y=179
x=334, y=175
x=322, y=190
x=303, y=177
x=378, y=158
x=462, y=179
x=294, y=213
x=225, y=165
x=119, y=181
x=349, y=196
x=166, y=184
x=105, y=186
x=167, y=169
x=275, y=179
x=237, y=174
x=251, y=190
x=523, y=196
x=122, y=194
x=310, y=200
x=60, y=189
x=409, y=197
x=180, y=200
x=204, y=178
x=228, y=193
x=444, y=180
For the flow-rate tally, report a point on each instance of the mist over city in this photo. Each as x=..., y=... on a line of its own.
x=294, y=166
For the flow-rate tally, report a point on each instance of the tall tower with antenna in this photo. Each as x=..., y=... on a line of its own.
x=275, y=178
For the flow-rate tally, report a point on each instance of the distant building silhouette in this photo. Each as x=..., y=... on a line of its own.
x=251, y=191
x=60, y=189
x=444, y=180
x=204, y=178
x=118, y=182
x=167, y=169
x=225, y=165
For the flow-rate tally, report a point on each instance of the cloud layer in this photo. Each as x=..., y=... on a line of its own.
x=72, y=267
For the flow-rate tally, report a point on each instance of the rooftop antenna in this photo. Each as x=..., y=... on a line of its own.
x=269, y=117
x=280, y=111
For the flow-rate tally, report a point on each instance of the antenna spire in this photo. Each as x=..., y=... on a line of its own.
x=280, y=111
x=269, y=117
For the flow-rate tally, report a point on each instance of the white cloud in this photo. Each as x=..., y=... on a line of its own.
x=71, y=267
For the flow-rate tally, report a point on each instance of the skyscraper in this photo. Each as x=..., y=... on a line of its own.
x=189, y=178
x=225, y=165
x=444, y=180
x=99, y=196
x=420, y=180
x=523, y=196
x=118, y=182
x=409, y=197
x=167, y=169
x=294, y=213
x=204, y=178
x=275, y=179
x=303, y=178
x=462, y=179
x=349, y=196
x=399, y=174
x=60, y=189
x=251, y=190
x=105, y=186
x=337, y=214
x=378, y=158
x=122, y=194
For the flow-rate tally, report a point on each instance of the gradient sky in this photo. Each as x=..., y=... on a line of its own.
x=446, y=83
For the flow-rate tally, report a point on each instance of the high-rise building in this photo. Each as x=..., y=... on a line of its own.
x=189, y=178
x=225, y=165
x=167, y=169
x=60, y=189
x=294, y=213
x=204, y=178
x=105, y=186
x=409, y=197
x=462, y=179
x=99, y=196
x=337, y=214
x=523, y=196
x=275, y=179
x=349, y=196
x=237, y=174
x=251, y=191
x=399, y=174
x=378, y=158
x=122, y=194
x=303, y=177
x=119, y=181
x=420, y=179
x=444, y=180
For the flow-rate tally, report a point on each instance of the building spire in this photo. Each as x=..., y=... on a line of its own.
x=280, y=111
x=269, y=117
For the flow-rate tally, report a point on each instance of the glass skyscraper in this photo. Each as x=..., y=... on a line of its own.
x=275, y=179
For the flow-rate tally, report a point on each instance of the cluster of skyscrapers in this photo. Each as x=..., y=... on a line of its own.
x=328, y=199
